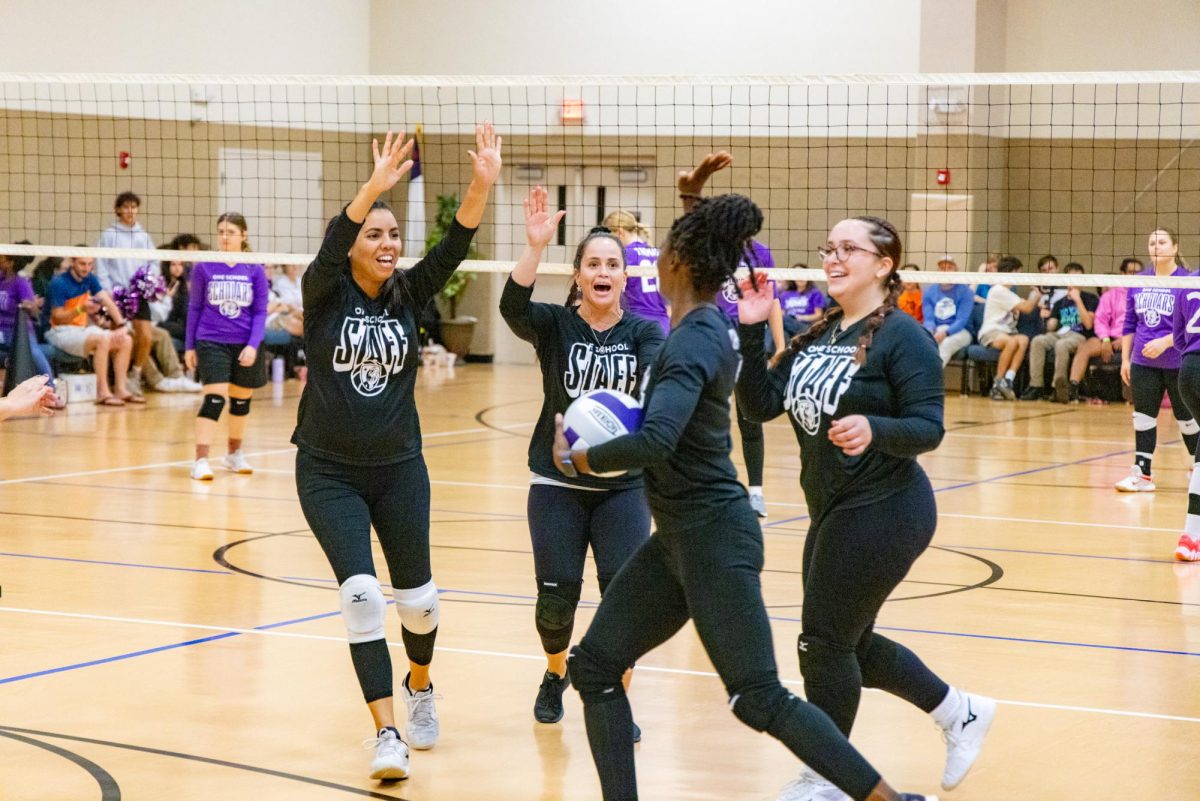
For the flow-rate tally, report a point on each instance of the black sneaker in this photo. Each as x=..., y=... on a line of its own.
x=1073, y=393
x=637, y=733
x=548, y=708
x=1033, y=394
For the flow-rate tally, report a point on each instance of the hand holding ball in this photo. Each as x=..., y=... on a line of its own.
x=599, y=416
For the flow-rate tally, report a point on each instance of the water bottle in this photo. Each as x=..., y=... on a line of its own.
x=277, y=370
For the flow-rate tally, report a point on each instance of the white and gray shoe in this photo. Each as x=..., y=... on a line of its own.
x=811, y=786
x=391, y=756
x=964, y=737
x=423, y=728
x=236, y=463
x=759, y=504
x=201, y=471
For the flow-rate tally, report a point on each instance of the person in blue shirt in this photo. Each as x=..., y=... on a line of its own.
x=947, y=310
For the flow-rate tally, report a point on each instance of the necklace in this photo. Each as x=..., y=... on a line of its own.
x=601, y=343
x=836, y=332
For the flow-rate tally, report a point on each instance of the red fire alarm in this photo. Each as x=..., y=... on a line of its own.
x=123, y=159
x=943, y=177
x=572, y=111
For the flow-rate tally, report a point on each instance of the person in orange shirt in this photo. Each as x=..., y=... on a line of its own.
x=910, y=298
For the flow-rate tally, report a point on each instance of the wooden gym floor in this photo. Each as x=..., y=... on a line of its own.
x=165, y=639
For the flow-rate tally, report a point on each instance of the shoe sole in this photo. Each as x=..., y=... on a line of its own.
x=202, y=478
x=551, y=720
x=1187, y=556
x=987, y=729
x=390, y=774
x=1135, y=489
x=420, y=746
x=249, y=472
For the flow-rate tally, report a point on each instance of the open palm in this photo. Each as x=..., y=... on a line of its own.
x=755, y=304
x=540, y=224
x=485, y=158
x=391, y=161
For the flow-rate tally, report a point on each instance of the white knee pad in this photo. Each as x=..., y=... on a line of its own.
x=418, y=608
x=1143, y=422
x=363, y=608
x=1188, y=426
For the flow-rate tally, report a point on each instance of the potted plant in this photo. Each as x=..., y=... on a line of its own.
x=457, y=332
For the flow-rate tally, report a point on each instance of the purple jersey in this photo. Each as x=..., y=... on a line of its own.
x=798, y=303
x=727, y=297
x=641, y=292
x=1150, y=314
x=1187, y=321
x=227, y=304
x=13, y=292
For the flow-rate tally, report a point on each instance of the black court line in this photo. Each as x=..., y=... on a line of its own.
x=12, y=731
x=1053, y=413
x=482, y=413
x=137, y=523
x=109, y=789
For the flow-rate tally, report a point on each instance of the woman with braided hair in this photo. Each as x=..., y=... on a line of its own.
x=864, y=391
x=704, y=559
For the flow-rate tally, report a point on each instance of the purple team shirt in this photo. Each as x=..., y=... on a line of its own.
x=727, y=295
x=1150, y=314
x=797, y=303
x=13, y=292
x=641, y=293
x=227, y=304
x=1187, y=321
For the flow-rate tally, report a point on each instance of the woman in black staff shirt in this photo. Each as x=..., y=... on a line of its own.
x=594, y=345
x=704, y=559
x=865, y=393
x=360, y=461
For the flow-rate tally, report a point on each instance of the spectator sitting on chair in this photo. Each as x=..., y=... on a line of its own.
x=1069, y=325
x=1048, y=265
x=999, y=329
x=1108, y=326
x=177, y=275
x=801, y=306
x=910, y=297
x=72, y=298
x=947, y=310
x=989, y=266
x=15, y=294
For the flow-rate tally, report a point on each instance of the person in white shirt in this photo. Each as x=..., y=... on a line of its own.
x=127, y=232
x=999, y=329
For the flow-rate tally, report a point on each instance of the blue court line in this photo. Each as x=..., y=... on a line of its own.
x=994, y=478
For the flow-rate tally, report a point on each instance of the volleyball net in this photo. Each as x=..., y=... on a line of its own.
x=1081, y=165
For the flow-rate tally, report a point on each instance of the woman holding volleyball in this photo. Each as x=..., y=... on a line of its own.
x=704, y=559
x=360, y=463
x=863, y=389
x=594, y=345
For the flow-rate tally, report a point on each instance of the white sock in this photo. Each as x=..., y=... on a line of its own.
x=1010, y=375
x=946, y=713
x=756, y=492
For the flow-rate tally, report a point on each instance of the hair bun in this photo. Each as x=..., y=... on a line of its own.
x=600, y=229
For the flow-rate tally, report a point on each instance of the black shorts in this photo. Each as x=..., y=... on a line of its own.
x=143, y=311
x=217, y=363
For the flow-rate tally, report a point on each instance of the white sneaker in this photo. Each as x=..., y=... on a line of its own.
x=391, y=756
x=811, y=787
x=201, y=471
x=188, y=385
x=422, y=728
x=1135, y=482
x=759, y=504
x=168, y=385
x=236, y=463
x=965, y=737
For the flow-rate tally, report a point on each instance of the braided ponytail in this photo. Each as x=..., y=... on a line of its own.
x=886, y=238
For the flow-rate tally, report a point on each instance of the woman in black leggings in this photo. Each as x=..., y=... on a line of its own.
x=864, y=391
x=704, y=559
x=360, y=462
x=592, y=345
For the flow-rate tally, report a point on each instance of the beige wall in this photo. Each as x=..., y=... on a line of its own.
x=176, y=36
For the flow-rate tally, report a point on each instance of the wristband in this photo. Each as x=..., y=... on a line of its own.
x=1106, y=340
x=689, y=196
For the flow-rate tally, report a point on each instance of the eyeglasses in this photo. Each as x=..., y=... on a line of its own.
x=843, y=251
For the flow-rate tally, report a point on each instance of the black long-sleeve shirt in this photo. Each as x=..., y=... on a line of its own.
x=684, y=443
x=357, y=407
x=574, y=360
x=900, y=389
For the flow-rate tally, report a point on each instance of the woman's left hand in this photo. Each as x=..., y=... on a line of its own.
x=562, y=451
x=1156, y=347
x=485, y=159
x=852, y=434
x=756, y=302
x=247, y=356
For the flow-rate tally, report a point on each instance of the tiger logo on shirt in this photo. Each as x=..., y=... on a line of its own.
x=819, y=378
x=370, y=348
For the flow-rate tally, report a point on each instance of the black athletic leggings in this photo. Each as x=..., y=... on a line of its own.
x=341, y=503
x=1189, y=390
x=709, y=574
x=853, y=559
x=753, y=449
x=563, y=522
x=1147, y=385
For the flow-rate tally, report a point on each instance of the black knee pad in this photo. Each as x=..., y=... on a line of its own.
x=211, y=407
x=554, y=613
x=759, y=705
x=596, y=680
x=239, y=407
x=822, y=663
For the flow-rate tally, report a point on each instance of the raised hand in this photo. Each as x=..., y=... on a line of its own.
x=391, y=162
x=540, y=224
x=756, y=301
x=485, y=158
x=690, y=182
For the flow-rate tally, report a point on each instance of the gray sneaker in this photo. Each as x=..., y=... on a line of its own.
x=759, y=504
x=1006, y=389
x=423, y=728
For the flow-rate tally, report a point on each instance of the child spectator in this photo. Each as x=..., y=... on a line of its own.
x=999, y=329
x=802, y=306
x=1068, y=326
x=910, y=297
x=1108, y=326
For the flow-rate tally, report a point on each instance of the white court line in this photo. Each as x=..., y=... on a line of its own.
x=533, y=657
x=1057, y=522
x=1055, y=440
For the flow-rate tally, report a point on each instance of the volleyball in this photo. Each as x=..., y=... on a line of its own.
x=601, y=415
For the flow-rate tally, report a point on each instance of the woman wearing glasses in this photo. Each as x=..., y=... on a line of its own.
x=864, y=391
